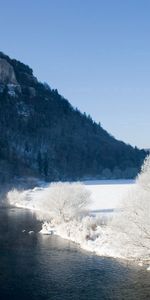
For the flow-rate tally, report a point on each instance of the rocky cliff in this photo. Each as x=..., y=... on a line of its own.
x=7, y=74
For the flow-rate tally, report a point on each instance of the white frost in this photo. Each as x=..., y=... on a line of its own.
x=65, y=209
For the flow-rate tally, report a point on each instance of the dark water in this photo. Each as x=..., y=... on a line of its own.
x=47, y=267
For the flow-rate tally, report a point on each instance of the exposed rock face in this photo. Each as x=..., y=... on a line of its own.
x=7, y=74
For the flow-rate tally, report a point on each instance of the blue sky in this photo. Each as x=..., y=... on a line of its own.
x=95, y=52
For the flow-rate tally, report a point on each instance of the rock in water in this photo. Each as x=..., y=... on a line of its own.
x=31, y=232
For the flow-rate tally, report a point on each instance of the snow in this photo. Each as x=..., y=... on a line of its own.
x=91, y=231
x=107, y=194
x=123, y=233
x=11, y=89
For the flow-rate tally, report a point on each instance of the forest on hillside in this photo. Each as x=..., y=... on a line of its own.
x=43, y=135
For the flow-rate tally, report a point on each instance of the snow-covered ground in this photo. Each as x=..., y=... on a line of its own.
x=118, y=223
x=107, y=194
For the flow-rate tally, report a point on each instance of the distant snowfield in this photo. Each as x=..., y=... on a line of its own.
x=107, y=194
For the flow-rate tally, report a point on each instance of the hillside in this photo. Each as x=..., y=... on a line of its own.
x=43, y=135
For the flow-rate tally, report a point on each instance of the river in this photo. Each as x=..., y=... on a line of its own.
x=33, y=266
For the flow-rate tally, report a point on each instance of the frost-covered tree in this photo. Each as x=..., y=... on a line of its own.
x=60, y=202
x=64, y=201
x=144, y=177
x=131, y=229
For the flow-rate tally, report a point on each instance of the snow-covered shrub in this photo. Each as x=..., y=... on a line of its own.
x=64, y=201
x=14, y=197
x=132, y=226
x=143, y=179
x=59, y=202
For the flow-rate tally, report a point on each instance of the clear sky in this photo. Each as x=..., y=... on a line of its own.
x=95, y=52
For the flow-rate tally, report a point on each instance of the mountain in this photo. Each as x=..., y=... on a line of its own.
x=43, y=135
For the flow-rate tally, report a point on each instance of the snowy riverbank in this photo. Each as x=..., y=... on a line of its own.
x=83, y=214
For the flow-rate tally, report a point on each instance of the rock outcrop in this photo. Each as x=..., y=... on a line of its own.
x=7, y=74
